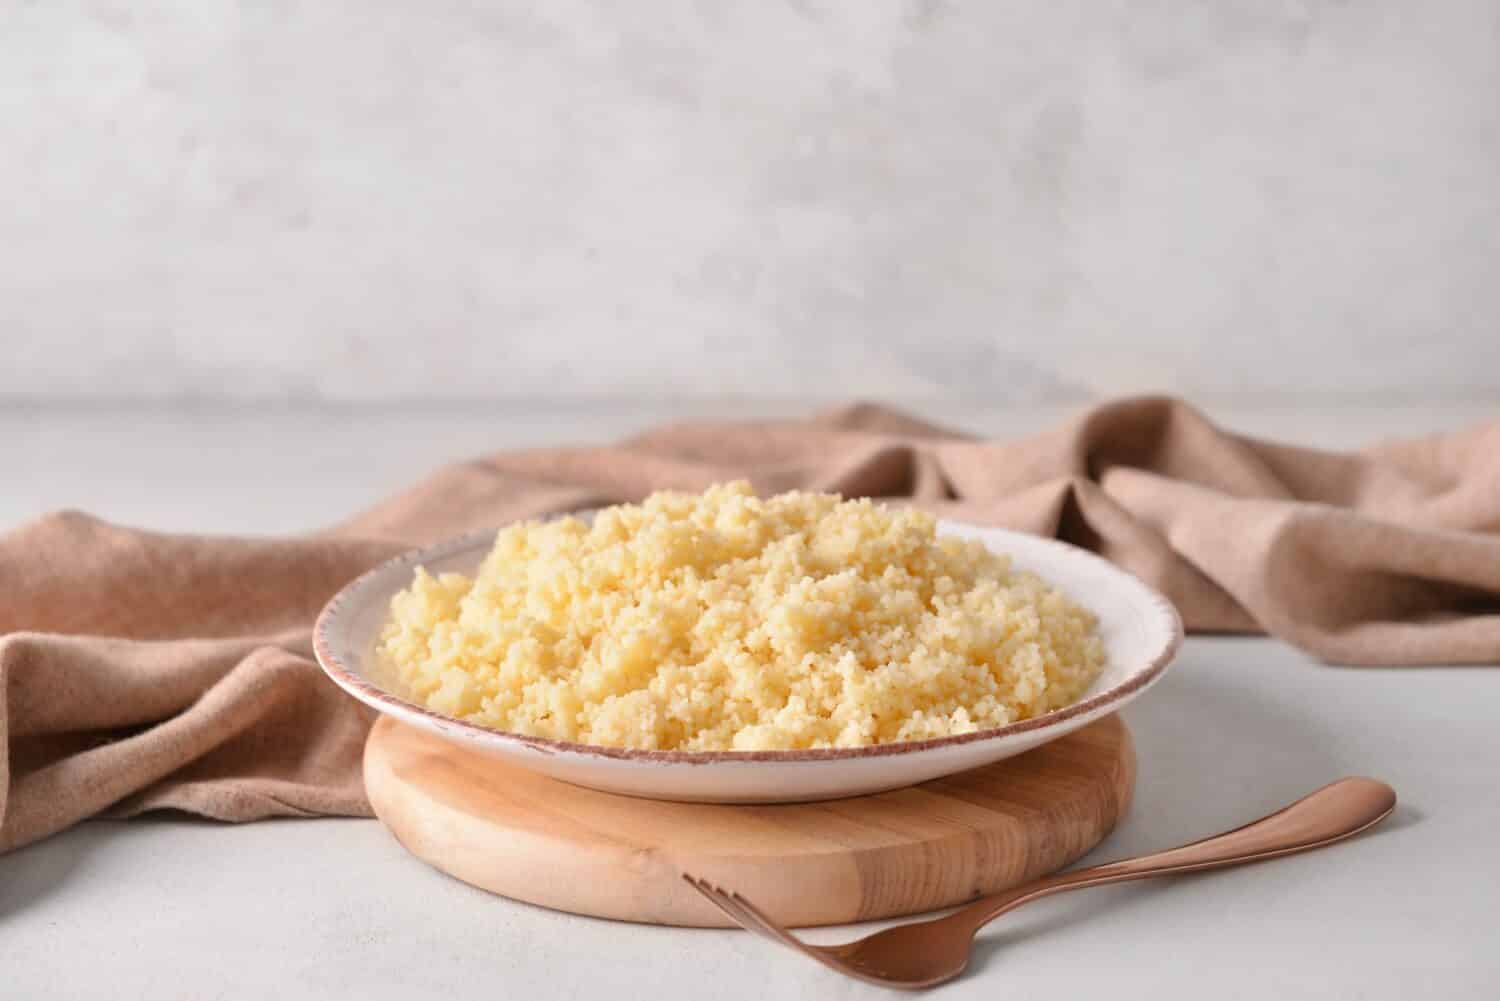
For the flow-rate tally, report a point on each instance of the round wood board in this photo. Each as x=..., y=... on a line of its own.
x=533, y=838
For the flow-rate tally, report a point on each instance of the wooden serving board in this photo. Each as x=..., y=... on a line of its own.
x=536, y=839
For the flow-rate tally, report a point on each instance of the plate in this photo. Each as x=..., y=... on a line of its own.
x=1140, y=628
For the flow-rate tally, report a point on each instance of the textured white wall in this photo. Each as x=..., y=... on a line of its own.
x=510, y=200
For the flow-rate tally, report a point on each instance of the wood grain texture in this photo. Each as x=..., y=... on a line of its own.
x=525, y=836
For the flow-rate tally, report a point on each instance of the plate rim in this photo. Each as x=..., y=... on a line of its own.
x=390, y=704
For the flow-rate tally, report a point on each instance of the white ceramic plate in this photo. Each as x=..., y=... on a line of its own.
x=1141, y=631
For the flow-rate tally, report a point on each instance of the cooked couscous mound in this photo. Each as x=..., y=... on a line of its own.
x=722, y=621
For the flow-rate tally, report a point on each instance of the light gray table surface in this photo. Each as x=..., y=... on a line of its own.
x=169, y=907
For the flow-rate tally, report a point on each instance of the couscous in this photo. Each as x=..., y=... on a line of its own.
x=722, y=621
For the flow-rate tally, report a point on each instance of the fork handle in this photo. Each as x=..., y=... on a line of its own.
x=1331, y=814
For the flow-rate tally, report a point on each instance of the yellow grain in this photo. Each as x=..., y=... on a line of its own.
x=721, y=621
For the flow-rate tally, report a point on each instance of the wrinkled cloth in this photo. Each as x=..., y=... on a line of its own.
x=141, y=671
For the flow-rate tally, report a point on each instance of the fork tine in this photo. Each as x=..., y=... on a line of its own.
x=734, y=905
x=771, y=928
x=725, y=903
x=720, y=902
x=744, y=913
x=752, y=919
x=821, y=954
x=752, y=922
x=748, y=917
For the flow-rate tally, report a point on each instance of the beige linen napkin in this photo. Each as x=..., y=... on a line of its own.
x=141, y=671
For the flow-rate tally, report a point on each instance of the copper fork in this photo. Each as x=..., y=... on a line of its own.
x=928, y=953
